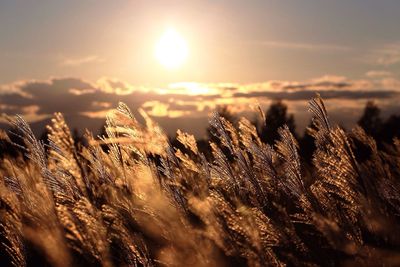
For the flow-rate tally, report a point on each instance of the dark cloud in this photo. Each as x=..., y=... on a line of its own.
x=322, y=84
x=183, y=107
x=62, y=95
x=327, y=94
x=84, y=102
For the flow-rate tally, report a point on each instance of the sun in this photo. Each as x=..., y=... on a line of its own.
x=171, y=50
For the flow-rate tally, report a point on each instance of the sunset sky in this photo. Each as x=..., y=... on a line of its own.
x=82, y=57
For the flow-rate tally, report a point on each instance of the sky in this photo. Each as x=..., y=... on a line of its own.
x=82, y=57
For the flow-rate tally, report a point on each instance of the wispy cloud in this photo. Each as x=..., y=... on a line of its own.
x=305, y=46
x=386, y=55
x=73, y=62
x=378, y=73
x=391, y=83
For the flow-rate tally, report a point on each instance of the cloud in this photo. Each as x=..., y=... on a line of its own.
x=194, y=89
x=327, y=94
x=306, y=46
x=74, y=62
x=96, y=114
x=160, y=109
x=116, y=86
x=378, y=73
x=387, y=55
x=391, y=83
x=324, y=83
x=29, y=112
x=85, y=101
x=101, y=104
x=73, y=96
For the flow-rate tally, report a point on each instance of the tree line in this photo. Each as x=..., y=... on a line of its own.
x=277, y=115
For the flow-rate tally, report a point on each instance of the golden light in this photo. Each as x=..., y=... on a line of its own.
x=171, y=51
x=191, y=88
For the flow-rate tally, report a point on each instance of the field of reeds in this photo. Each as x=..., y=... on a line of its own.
x=130, y=198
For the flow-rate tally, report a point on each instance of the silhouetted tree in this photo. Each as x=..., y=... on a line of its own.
x=390, y=129
x=307, y=143
x=276, y=116
x=12, y=145
x=371, y=121
x=78, y=138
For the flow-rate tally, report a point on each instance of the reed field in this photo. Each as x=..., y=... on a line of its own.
x=131, y=198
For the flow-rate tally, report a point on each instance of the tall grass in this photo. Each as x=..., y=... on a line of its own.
x=132, y=199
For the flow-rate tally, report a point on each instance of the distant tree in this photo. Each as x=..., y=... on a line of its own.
x=370, y=120
x=307, y=143
x=390, y=129
x=78, y=138
x=276, y=116
x=11, y=142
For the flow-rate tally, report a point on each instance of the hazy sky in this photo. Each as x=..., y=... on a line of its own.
x=229, y=41
x=82, y=57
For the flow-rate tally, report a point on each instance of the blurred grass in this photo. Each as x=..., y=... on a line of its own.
x=132, y=199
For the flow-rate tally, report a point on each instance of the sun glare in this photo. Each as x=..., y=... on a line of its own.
x=171, y=51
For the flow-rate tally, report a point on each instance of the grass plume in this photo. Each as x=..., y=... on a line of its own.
x=130, y=198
